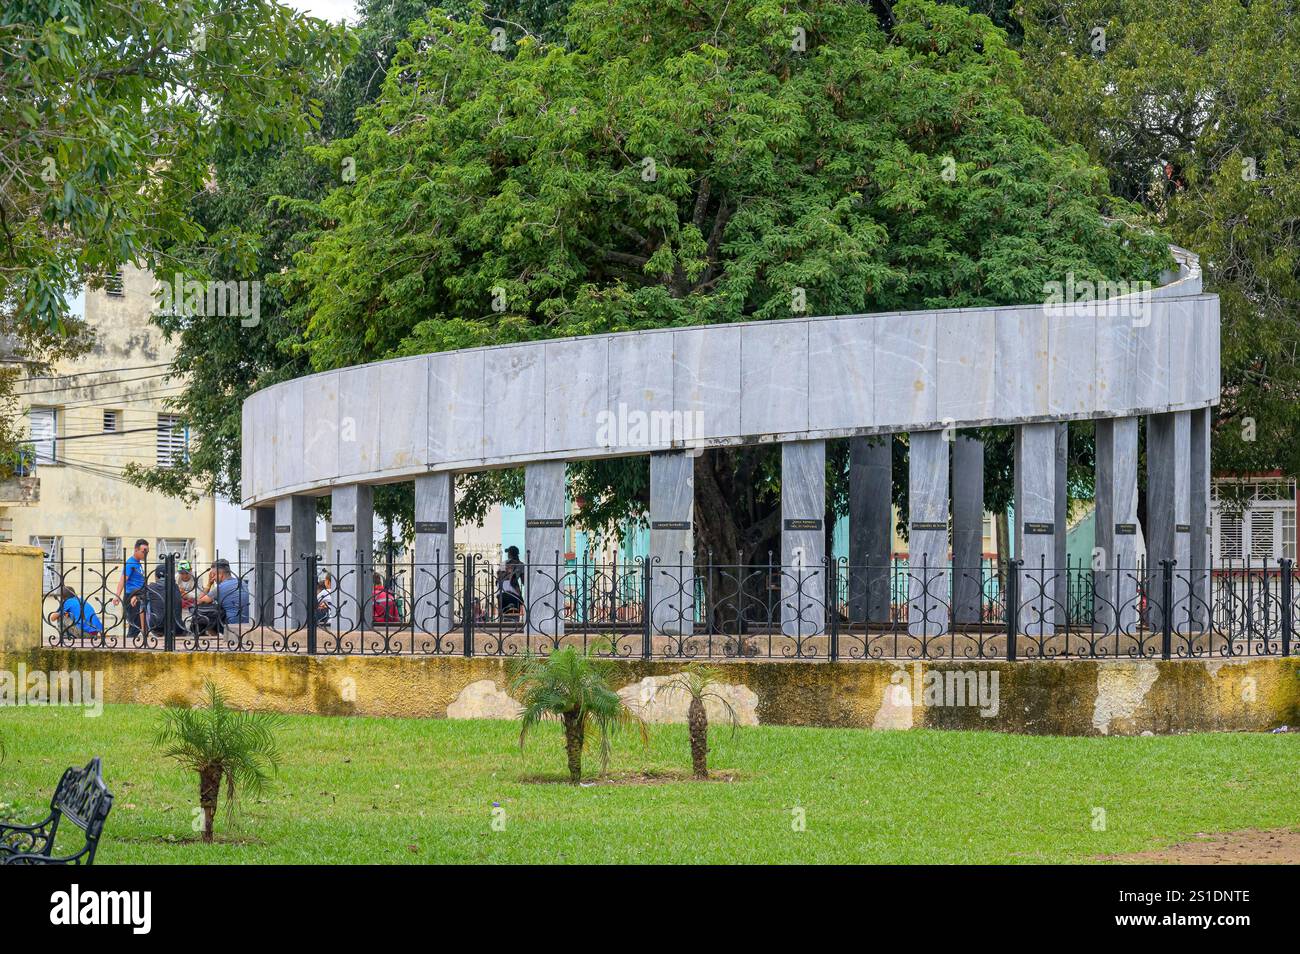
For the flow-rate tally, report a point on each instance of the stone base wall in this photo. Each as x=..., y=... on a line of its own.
x=1050, y=698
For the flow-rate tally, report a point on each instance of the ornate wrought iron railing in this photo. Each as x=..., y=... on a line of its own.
x=829, y=611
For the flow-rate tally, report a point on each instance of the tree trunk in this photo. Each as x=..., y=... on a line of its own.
x=209, y=792
x=737, y=524
x=573, y=736
x=699, y=723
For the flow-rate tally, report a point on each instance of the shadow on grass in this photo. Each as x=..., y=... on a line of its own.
x=646, y=777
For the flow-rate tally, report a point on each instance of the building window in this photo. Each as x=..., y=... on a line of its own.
x=43, y=426
x=51, y=546
x=1254, y=519
x=184, y=549
x=112, y=547
x=53, y=550
x=1229, y=535
x=1261, y=533
x=112, y=422
x=173, y=441
x=113, y=286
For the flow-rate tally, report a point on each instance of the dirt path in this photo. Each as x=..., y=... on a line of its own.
x=1249, y=847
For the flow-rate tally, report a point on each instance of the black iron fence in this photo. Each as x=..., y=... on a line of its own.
x=649, y=609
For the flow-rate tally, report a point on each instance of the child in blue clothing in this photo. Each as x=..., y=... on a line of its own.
x=78, y=613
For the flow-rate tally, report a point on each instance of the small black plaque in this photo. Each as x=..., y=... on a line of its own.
x=431, y=526
x=547, y=524
x=1183, y=528
x=1042, y=529
x=345, y=528
x=929, y=525
x=1126, y=529
x=809, y=523
x=670, y=525
x=281, y=528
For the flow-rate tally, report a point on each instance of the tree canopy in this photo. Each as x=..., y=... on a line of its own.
x=1194, y=109
x=110, y=113
x=110, y=116
x=712, y=162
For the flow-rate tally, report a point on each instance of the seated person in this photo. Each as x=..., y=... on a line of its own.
x=76, y=616
x=188, y=583
x=156, y=603
x=384, y=605
x=224, y=603
x=324, y=602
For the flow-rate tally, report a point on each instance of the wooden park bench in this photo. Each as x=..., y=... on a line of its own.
x=83, y=800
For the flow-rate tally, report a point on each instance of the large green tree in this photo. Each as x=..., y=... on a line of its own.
x=110, y=114
x=258, y=209
x=682, y=164
x=1193, y=107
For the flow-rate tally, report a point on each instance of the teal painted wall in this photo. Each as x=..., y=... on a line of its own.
x=512, y=528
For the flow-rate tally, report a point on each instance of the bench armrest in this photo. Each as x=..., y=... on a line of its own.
x=24, y=838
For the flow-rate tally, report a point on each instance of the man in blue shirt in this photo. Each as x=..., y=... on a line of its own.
x=80, y=615
x=132, y=581
x=227, y=592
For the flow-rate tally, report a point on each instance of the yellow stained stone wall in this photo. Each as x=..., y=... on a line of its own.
x=20, y=597
x=1042, y=698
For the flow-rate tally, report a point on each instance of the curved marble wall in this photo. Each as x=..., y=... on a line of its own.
x=787, y=380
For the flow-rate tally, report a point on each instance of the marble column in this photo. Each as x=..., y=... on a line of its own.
x=1115, y=551
x=1168, y=512
x=352, y=528
x=1035, y=533
x=1061, y=524
x=544, y=543
x=967, y=529
x=435, y=553
x=295, y=539
x=261, y=528
x=803, y=538
x=1199, y=509
x=871, y=527
x=672, y=548
x=927, y=502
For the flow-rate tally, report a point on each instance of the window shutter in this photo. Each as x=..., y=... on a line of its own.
x=1261, y=533
x=1229, y=535
x=172, y=443
x=42, y=421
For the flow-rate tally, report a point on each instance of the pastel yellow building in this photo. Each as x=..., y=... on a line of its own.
x=86, y=420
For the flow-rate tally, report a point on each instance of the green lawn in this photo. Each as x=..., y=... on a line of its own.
x=412, y=790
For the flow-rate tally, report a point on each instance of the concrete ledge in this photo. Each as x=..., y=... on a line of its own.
x=1044, y=698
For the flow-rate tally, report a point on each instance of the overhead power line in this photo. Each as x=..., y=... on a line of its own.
x=81, y=387
x=79, y=374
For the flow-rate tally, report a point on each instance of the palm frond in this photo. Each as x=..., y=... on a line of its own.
x=700, y=681
x=240, y=743
x=569, y=683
